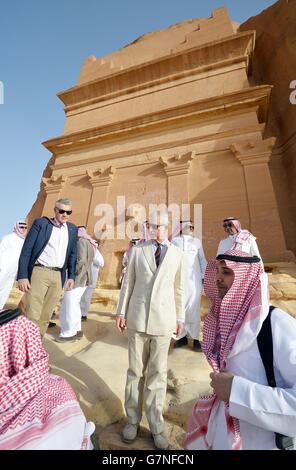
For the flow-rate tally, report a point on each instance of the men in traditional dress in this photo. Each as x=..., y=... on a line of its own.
x=47, y=256
x=10, y=249
x=38, y=410
x=98, y=262
x=70, y=315
x=194, y=270
x=238, y=239
x=151, y=307
x=244, y=412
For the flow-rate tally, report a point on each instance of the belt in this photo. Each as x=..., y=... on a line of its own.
x=48, y=267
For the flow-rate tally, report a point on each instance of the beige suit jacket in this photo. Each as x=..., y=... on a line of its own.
x=151, y=298
x=85, y=256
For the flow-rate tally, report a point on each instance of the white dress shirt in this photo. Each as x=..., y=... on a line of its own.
x=54, y=254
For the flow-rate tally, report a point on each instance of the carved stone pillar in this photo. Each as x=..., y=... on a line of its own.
x=100, y=181
x=264, y=219
x=52, y=188
x=177, y=170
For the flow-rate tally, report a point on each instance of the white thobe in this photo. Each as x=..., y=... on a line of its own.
x=194, y=269
x=70, y=316
x=249, y=246
x=261, y=410
x=85, y=301
x=10, y=250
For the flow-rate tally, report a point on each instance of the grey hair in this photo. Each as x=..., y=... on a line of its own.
x=65, y=201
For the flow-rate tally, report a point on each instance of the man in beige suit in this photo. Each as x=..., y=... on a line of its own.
x=151, y=307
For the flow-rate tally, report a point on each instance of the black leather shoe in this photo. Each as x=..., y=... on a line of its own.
x=196, y=346
x=181, y=342
x=51, y=324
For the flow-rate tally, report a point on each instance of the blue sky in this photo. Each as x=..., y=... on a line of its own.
x=43, y=45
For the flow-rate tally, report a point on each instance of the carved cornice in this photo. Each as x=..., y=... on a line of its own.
x=101, y=177
x=225, y=51
x=253, y=153
x=54, y=184
x=123, y=160
x=178, y=164
x=202, y=109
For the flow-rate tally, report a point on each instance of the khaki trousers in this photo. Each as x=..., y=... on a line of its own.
x=147, y=354
x=45, y=292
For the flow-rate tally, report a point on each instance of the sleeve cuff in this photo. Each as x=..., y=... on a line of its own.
x=239, y=397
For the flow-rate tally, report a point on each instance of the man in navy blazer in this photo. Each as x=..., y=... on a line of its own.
x=49, y=255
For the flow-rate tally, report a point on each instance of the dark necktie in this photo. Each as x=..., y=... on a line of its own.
x=157, y=254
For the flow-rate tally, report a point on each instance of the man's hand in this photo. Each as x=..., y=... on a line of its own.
x=221, y=384
x=179, y=328
x=24, y=285
x=120, y=324
x=69, y=284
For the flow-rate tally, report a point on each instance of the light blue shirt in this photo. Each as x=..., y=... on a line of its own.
x=163, y=248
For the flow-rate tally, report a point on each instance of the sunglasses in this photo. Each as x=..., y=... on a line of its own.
x=228, y=225
x=62, y=211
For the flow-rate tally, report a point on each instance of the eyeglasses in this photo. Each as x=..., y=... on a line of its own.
x=229, y=225
x=62, y=211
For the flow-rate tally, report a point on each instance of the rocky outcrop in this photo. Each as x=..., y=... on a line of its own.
x=274, y=63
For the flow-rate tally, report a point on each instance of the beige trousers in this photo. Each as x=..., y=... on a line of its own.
x=147, y=360
x=45, y=292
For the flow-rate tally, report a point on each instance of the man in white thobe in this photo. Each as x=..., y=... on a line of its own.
x=10, y=250
x=244, y=412
x=237, y=239
x=70, y=308
x=98, y=262
x=194, y=270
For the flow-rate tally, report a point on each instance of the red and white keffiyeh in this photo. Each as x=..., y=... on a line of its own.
x=20, y=228
x=82, y=233
x=232, y=323
x=36, y=408
x=242, y=236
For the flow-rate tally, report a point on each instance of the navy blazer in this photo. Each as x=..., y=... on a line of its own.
x=36, y=241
